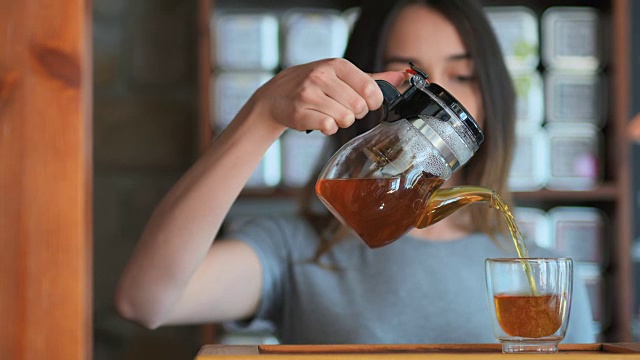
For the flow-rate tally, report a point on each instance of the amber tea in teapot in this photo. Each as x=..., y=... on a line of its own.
x=380, y=210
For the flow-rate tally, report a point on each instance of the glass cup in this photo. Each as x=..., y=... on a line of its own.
x=529, y=300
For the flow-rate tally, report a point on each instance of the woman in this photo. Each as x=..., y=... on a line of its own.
x=310, y=278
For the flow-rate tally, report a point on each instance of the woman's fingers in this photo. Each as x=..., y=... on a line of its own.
x=347, y=97
x=323, y=95
x=362, y=83
x=353, y=89
x=315, y=109
x=342, y=116
x=325, y=123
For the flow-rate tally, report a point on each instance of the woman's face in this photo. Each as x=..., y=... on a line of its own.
x=423, y=36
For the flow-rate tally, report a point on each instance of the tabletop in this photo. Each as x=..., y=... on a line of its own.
x=413, y=351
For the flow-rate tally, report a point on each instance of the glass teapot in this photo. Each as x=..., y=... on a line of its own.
x=387, y=181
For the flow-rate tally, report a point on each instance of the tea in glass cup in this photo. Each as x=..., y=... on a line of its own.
x=530, y=301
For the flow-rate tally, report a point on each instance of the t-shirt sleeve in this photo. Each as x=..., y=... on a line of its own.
x=276, y=241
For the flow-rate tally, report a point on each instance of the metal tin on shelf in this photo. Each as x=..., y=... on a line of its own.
x=245, y=41
x=530, y=165
x=516, y=28
x=575, y=97
x=572, y=38
x=351, y=16
x=575, y=156
x=578, y=233
x=534, y=225
x=230, y=91
x=269, y=171
x=313, y=34
x=529, y=99
x=594, y=282
x=300, y=154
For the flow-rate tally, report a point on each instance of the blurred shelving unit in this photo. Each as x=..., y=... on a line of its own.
x=610, y=194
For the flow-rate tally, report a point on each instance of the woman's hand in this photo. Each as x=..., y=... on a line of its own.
x=323, y=95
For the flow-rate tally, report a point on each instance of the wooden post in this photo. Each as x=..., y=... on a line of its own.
x=45, y=179
x=622, y=306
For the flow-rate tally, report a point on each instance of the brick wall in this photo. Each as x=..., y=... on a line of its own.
x=144, y=139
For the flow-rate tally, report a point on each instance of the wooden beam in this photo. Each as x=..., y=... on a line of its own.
x=622, y=307
x=45, y=179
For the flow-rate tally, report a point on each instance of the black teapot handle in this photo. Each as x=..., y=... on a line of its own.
x=390, y=94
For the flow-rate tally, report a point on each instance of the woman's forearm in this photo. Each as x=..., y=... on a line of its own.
x=182, y=228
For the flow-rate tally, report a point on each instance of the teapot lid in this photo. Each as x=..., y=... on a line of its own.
x=426, y=98
x=419, y=80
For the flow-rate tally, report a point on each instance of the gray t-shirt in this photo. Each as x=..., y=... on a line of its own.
x=411, y=291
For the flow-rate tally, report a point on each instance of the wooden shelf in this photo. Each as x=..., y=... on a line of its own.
x=604, y=192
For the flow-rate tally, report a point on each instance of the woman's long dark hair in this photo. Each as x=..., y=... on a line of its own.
x=490, y=165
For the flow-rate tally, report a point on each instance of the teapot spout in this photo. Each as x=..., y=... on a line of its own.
x=445, y=202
